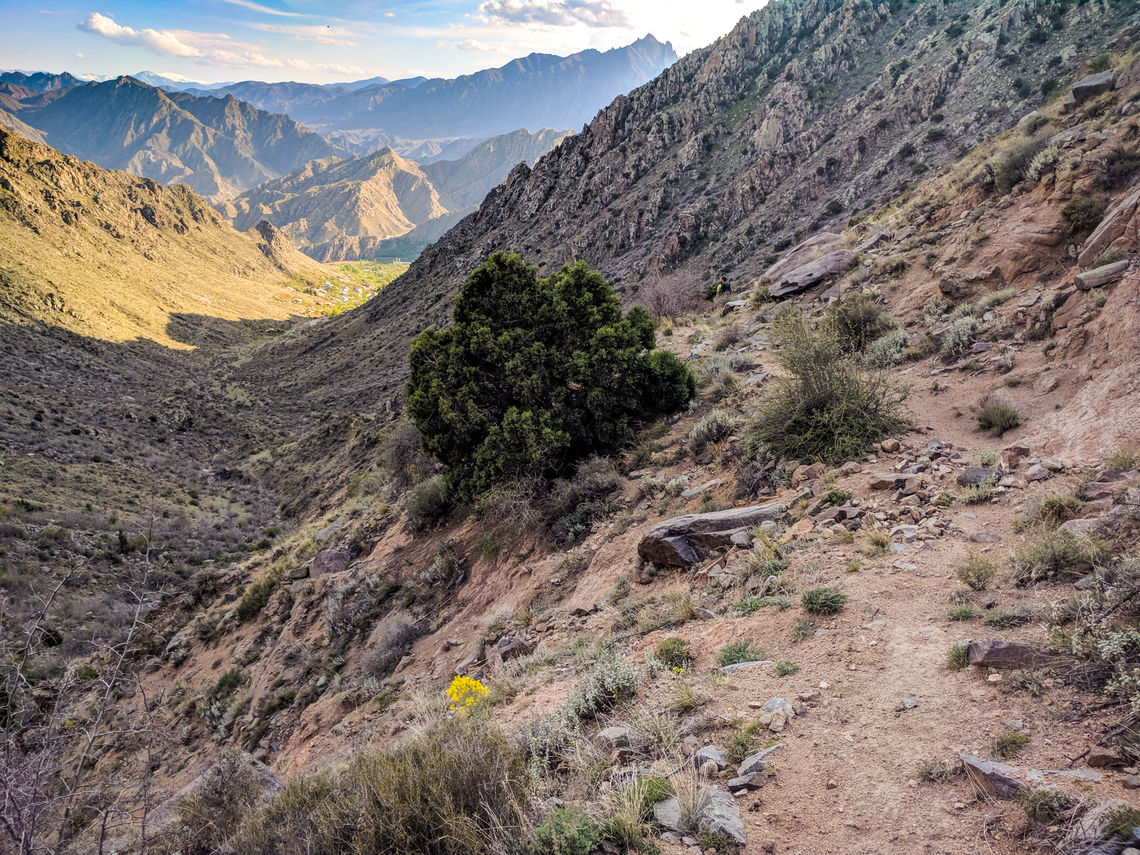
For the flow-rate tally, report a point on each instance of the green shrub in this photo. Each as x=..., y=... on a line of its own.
x=1083, y=214
x=567, y=831
x=1002, y=619
x=1059, y=556
x=674, y=653
x=425, y=504
x=454, y=788
x=823, y=601
x=827, y=406
x=1045, y=806
x=1054, y=510
x=977, y=572
x=1119, y=824
x=962, y=613
x=1009, y=745
x=1009, y=167
x=738, y=651
x=786, y=668
x=997, y=416
x=889, y=349
x=937, y=771
x=980, y=492
x=257, y=594
x=957, y=657
x=535, y=374
x=858, y=320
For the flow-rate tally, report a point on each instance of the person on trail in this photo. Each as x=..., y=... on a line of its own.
x=723, y=287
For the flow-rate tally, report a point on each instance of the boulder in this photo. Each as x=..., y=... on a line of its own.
x=668, y=814
x=811, y=273
x=329, y=561
x=1106, y=274
x=1091, y=829
x=710, y=754
x=1012, y=455
x=676, y=541
x=1006, y=654
x=801, y=254
x=1038, y=472
x=510, y=647
x=888, y=480
x=977, y=474
x=1119, y=224
x=718, y=814
x=996, y=780
x=1089, y=87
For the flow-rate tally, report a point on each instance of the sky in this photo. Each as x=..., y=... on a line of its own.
x=317, y=41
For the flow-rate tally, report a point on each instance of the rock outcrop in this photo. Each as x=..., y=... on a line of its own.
x=677, y=542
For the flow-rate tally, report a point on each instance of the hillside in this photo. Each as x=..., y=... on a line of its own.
x=343, y=208
x=875, y=589
x=354, y=208
x=218, y=147
x=535, y=91
x=69, y=227
x=803, y=116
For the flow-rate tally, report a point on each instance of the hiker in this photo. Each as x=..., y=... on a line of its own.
x=723, y=287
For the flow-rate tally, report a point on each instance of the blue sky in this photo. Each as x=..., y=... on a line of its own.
x=320, y=42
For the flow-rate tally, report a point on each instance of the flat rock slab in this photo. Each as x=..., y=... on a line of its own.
x=811, y=273
x=757, y=762
x=676, y=541
x=1106, y=274
x=1089, y=87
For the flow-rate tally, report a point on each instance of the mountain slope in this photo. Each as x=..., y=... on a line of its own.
x=355, y=208
x=808, y=111
x=41, y=81
x=217, y=146
x=70, y=229
x=463, y=183
x=341, y=209
x=535, y=91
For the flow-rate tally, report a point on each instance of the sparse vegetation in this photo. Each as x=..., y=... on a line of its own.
x=674, y=653
x=823, y=601
x=997, y=415
x=1009, y=745
x=736, y=652
x=957, y=657
x=828, y=407
x=977, y=572
x=786, y=668
x=1058, y=556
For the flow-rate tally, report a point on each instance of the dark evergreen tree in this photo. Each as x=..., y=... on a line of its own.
x=535, y=374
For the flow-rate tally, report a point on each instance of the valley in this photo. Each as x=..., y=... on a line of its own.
x=343, y=510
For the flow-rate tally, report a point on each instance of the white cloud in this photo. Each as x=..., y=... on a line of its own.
x=203, y=48
x=164, y=42
x=265, y=10
x=474, y=45
x=79, y=54
x=555, y=13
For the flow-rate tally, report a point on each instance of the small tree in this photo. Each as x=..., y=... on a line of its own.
x=536, y=374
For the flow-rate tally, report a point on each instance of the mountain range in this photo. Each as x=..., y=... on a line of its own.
x=217, y=146
x=345, y=209
x=535, y=91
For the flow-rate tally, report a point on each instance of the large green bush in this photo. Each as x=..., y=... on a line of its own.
x=827, y=406
x=535, y=374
